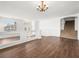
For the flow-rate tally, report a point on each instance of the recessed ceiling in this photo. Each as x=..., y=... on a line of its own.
x=27, y=9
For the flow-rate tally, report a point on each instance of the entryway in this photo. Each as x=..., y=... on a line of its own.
x=69, y=28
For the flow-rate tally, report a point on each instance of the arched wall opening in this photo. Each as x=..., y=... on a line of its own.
x=69, y=28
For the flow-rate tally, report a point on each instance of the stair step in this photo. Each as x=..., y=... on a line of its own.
x=69, y=31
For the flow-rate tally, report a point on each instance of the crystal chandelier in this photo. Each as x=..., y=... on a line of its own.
x=42, y=7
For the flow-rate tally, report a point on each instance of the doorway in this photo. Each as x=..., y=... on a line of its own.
x=69, y=29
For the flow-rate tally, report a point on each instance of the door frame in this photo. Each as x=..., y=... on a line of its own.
x=62, y=23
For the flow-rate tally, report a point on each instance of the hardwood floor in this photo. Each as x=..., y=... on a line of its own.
x=47, y=47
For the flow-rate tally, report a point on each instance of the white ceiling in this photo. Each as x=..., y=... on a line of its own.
x=27, y=9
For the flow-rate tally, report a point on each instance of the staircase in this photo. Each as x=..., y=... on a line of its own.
x=69, y=31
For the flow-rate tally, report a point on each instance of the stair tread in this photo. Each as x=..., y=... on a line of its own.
x=69, y=31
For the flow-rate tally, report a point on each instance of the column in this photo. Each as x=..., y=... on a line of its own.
x=37, y=30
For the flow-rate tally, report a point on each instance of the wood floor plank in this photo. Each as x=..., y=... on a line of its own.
x=47, y=47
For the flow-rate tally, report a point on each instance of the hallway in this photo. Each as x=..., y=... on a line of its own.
x=69, y=30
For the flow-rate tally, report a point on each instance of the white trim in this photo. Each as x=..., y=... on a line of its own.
x=74, y=15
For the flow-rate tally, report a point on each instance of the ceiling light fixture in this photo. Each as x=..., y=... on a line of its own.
x=43, y=6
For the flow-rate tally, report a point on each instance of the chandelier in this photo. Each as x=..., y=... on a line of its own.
x=42, y=7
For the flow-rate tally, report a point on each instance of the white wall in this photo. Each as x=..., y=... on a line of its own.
x=62, y=22
x=78, y=26
x=2, y=27
x=21, y=25
x=50, y=27
x=76, y=23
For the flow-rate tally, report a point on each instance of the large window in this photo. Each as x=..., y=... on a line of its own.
x=8, y=32
x=7, y=24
